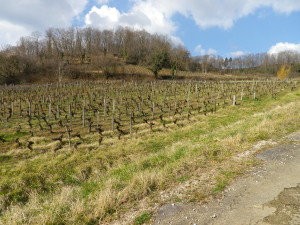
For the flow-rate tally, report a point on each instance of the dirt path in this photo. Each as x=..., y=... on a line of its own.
x=269, y=195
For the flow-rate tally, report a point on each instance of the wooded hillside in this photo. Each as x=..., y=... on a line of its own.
x=87, y=53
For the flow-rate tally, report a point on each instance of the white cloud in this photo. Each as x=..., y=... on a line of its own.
x=19, y=18
x=220, y=13
x=200, y=50
x=10, y=33
x=142, y=16
x=102, y=2
x=105, y=17
x=238, y=53
x=284, y=46
x=156, y=16
x=211, y=51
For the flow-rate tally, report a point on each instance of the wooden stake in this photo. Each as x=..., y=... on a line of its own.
x=112, y=123
x=131, y=115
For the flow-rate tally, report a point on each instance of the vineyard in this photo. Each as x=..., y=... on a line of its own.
x=44, y=129
x=74, y=111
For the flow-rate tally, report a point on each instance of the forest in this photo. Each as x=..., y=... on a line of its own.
x=66, y=54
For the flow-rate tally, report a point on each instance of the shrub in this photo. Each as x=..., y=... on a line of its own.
x=283, y=72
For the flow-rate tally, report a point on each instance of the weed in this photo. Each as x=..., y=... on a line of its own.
x=143, y=218
x=220, y=185
x=228, y=174
x=183, y=178
x=4, y=158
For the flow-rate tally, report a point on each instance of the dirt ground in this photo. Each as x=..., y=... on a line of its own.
x=269, y=194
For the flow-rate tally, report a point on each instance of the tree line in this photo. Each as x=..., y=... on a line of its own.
x=73, y=52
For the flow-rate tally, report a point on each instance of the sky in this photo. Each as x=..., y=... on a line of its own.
x=227, y=28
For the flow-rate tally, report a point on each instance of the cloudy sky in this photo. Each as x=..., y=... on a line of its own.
x=218, y=27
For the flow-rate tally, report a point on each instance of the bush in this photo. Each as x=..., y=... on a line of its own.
x=10, y=69
x=283, y=72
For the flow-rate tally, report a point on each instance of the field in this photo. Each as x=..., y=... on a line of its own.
x=91, y=152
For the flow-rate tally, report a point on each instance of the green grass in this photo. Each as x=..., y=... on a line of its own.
x=4, y=158
x=223, y=179
x=220, y=186
x=183, y=178
x=13, y=136
x=145, y=217
x=83, y=186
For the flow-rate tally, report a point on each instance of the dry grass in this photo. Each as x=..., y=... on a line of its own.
x=101, y=183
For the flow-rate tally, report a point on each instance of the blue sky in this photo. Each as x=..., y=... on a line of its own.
x=219, y=27
x=255, y=33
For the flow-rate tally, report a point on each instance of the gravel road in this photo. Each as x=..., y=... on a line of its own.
x=269, y=194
